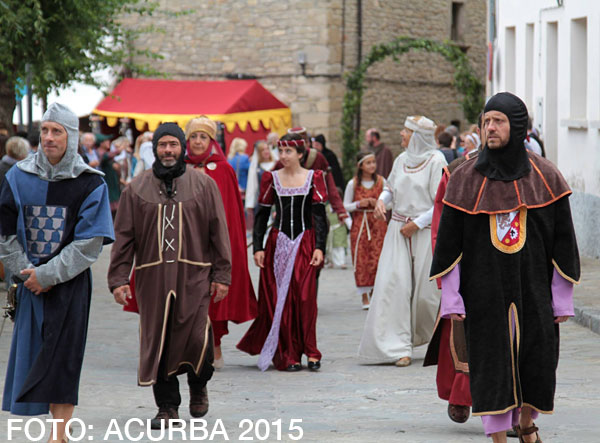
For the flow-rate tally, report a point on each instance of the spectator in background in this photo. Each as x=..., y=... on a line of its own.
x=17, y=149
x=3, y=139
x=124, y=159
x=103, y=140
x=240, y=162
x=471, y=142
x=111, y=171
x=263, y=159
x=337, y=239
x=143, y=153
x=88, y=141
x=3, y=130
x=320, y=145
x=34, y=141
x=452, y=130
x=533, y=142
x=383, y=155
x=272, y=139
x=438, y=130
x=444, y=141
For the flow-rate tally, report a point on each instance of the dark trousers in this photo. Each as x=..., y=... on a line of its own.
x=166, y=388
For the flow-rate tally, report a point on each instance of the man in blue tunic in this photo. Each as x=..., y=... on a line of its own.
x=54, y=219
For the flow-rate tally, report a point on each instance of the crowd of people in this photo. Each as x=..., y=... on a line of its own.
x=482, y=212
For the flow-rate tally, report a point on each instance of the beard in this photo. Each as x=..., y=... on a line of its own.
x=168, y=162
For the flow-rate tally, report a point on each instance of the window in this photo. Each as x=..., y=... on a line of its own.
x=457, y=26
x=579, y=68
x=511, y=60
x=529, y=31
x=551, y=93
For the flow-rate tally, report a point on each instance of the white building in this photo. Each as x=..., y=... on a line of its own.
x=548, y=53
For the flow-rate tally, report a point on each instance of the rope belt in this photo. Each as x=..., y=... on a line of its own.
x=363, y=223
x=400, y=217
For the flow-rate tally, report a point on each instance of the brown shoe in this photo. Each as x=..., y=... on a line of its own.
x=458, y=413
x=199, y=403
x=165, y=414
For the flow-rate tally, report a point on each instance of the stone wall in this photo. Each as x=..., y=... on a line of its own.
x=418, y=83
x=262, y=38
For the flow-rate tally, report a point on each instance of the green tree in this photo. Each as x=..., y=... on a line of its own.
x=57, y=42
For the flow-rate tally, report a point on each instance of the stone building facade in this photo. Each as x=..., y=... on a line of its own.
x=268, y=40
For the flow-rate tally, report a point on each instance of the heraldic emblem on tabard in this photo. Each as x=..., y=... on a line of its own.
x=44, y=229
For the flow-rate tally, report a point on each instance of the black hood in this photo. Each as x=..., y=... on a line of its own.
x=510, y=162
x=167, y=174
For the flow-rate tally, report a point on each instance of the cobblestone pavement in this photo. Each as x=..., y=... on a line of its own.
x=345, y=401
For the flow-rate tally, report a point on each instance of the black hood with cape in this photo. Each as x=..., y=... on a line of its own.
x=510, y=162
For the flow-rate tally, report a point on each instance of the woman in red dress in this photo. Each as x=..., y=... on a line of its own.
x=367, y=233
x=205, y=155
x=287, y=297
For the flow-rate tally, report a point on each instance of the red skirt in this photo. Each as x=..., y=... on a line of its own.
x=298, y=331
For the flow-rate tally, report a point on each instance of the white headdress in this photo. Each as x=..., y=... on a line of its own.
x=422, y=142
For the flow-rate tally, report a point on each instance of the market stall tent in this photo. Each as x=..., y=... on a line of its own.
x=245, y=107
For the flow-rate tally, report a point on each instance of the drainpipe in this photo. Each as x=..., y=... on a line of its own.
x=359, y=53
x=343, y=39
x=492, y=48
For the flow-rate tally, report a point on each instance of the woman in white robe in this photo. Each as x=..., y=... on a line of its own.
x=405, y=303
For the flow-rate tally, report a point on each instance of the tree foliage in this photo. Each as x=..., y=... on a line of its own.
x=465, y=82
x=61, y=41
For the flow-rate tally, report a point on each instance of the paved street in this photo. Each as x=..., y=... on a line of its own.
x=345, y=401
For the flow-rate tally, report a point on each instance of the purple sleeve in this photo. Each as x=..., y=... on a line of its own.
x=452, y=302
x=562, y=295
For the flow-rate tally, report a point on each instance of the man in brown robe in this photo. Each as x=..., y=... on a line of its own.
x=383, y=155
x=172, y=224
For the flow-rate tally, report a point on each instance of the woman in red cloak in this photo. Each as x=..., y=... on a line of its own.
x=205, y=155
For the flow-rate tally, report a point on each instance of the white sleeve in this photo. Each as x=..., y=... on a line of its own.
x=386, y=196
x=424, y=220
x=139, y=167
x=349, y=204
x=252, y=186
x=147, y=156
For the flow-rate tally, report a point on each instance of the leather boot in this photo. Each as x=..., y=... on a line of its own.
x=166, y=413
x=199, y=403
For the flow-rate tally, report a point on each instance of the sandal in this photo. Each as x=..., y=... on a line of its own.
x=528, y=431
x=513, y=433
x=403, y=362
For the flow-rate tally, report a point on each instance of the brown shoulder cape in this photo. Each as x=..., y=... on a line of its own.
x=542, y=186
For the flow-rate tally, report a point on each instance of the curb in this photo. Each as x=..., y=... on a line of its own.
x=588, y=318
